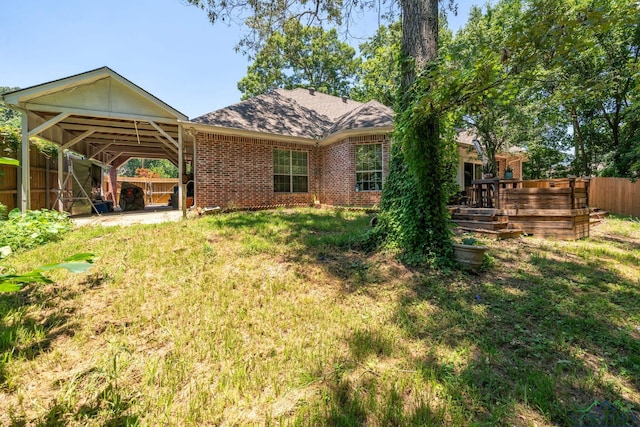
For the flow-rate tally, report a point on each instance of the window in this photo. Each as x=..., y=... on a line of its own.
x=290, y=171
x=368, y=167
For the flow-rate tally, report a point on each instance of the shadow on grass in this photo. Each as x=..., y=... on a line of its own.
x=537, y=339
x=23, y=336
x=551, y=340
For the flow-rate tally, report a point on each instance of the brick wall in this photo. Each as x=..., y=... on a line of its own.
x=338, y=183
x=235, y=171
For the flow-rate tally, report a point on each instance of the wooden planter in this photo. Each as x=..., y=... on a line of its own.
x=469, y=256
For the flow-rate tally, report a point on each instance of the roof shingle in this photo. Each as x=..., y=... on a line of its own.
x=300, y=113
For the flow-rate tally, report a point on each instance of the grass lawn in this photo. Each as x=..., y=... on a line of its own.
x=276, y=318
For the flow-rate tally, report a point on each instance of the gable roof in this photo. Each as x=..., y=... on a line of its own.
x=328, y=105
x=99, y=89
x=301, y=113
x=270, y=113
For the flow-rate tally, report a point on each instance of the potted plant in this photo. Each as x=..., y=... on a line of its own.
x=508, y=172
x=469, y=253
x=487, y=171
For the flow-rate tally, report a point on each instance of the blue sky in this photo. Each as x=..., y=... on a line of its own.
x=164, y=46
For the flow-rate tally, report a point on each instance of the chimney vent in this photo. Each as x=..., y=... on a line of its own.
x=312, y=90
x=344, y=98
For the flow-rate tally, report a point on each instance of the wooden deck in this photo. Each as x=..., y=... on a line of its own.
x=557, y=208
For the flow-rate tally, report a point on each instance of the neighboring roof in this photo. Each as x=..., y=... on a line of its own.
x=300, y=113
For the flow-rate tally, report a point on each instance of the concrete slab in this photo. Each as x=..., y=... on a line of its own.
x=151, y=215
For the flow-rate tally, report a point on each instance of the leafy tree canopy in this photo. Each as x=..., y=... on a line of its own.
x=301, y=56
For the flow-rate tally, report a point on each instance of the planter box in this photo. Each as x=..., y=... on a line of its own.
x=469, y=256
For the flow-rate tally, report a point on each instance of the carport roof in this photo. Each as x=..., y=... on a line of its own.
x=101, y=115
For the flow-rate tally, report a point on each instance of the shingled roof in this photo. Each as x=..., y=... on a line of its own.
x=300, y=113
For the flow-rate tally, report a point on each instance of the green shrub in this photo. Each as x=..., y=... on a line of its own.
x=32, y=229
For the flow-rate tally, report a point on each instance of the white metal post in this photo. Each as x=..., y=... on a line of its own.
x=25, y=196
x=60, y=179
x=193, y=166
x=181, y=202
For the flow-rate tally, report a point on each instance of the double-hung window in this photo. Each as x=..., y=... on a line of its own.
x=368, y=167
x=290, y=171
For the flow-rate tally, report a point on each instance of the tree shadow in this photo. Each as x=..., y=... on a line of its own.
x=537, y=339
x=25, y=336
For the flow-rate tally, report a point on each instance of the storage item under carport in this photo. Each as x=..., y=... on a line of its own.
x=131, y=197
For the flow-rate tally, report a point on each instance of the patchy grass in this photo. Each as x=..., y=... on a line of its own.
x=277, y=318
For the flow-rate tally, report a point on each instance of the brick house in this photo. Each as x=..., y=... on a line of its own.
x=292, y=147
x=287, y=147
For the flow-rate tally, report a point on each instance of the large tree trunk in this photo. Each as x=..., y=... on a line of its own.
x=414, y=201
x=419, y=37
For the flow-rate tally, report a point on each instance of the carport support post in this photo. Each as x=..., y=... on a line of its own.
x=25, y=197
x=60, y=179
x=181, y=201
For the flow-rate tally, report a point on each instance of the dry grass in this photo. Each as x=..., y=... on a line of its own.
x=277, y=318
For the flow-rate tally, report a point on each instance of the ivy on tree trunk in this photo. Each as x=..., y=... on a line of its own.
x=413, y=215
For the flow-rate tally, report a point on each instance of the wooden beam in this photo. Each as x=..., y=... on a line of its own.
x=96, y=113
x=126, y=124
x=111, y=130
x=101, y=138
x=165, y=143
x=46, y=125
x=77, y=139
x=101, y=150
x=166, y=135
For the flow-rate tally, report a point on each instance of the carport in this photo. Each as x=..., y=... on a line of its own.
x=103, y=117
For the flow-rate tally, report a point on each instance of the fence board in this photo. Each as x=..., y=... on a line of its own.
x=156, y=190
x=615, y=195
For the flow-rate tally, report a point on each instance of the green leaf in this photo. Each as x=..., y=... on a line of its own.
x=9, y=287
x=9, y=161
x=15, y=213
x=30, y=277
x=85, y=256
x=73, y=267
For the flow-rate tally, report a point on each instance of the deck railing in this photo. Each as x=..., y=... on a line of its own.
x=564, y=193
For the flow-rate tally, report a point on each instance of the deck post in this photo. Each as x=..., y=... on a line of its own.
x=572, y=185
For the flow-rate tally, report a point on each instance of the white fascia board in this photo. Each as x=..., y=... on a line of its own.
x=220, y=130
x=354, y=132
x=22, y=96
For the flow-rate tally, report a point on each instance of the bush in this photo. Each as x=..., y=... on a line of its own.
x=32, y=229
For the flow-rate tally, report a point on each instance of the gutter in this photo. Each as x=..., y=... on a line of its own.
x=201, y=127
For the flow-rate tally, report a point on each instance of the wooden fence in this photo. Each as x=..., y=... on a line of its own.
x=615, y=195
x=44, y=182
x=157, y=191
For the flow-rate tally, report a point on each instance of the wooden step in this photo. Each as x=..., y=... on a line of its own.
x=507, y=233
x=482, y=225
x=479, y=211
x=478, y=217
